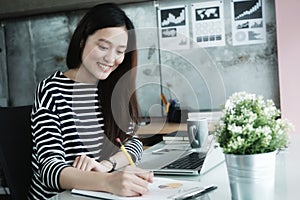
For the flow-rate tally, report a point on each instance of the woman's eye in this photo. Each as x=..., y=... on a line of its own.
x=120, y=52
x=103, y=47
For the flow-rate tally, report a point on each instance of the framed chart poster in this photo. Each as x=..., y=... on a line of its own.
x=208, y=24
x=173, y=28
x=248, y=22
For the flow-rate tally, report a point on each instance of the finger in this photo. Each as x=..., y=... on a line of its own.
x=133, y=194
x=89, y=164
x=141, y=181
x=97, y=167
x=75, y=163
x=133, y=187
x=130, y=184
x=149, y=177
x=129, y=193
x=140, y=185
x=81, y=162
x=146, y=175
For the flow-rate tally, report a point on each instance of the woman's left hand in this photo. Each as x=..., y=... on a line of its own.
x=86, y=163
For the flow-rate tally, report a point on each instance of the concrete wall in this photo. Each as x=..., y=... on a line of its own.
x=30, y=49
x=21, y=8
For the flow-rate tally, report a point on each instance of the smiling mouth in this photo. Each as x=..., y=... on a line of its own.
x=103, y=67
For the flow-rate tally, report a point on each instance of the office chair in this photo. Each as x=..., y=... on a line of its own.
x=15, y=149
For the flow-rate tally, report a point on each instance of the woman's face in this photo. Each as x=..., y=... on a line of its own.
x=103, y=52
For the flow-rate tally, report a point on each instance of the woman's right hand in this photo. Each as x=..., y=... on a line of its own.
x=131, y=181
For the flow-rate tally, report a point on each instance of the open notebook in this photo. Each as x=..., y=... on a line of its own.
x=161, y=188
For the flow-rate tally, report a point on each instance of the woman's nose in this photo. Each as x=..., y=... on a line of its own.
x=110, y=57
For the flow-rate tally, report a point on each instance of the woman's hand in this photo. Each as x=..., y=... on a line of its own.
x=86, y=163
x=131, y=181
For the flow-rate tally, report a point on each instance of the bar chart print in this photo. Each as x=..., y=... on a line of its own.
x=248, y=22
x=173, y=17
x=174, y=28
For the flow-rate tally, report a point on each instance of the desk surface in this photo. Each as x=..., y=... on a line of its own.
x=287, y=178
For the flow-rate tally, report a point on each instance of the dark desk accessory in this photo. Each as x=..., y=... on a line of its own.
x=177, y=114
x=174, y=114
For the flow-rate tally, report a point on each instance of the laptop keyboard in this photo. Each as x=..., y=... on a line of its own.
x=190, y=161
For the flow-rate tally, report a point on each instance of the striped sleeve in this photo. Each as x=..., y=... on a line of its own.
x=135, y=147
x=48, y=140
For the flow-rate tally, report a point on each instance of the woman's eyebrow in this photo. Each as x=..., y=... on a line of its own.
x=109, y=42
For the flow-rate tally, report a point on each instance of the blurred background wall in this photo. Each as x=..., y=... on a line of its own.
x=34, y=44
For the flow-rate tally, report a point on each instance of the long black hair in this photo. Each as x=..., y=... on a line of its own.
x=99, y=17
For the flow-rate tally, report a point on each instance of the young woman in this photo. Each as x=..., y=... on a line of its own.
x=78, y=114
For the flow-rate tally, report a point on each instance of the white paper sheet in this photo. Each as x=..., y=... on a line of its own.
x=161, y=188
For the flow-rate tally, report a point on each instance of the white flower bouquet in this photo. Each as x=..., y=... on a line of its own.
x=251, y=125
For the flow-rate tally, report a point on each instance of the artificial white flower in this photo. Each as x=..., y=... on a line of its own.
x=251, y=125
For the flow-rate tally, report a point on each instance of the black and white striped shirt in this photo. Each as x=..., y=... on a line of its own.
x=66, y=122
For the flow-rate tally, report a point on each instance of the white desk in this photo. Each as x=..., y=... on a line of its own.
x=286, y=185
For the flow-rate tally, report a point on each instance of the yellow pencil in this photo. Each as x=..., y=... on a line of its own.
x=125, y=152
x=163, y=98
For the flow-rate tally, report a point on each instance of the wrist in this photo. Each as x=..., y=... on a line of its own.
x=109, y=165
x=113, y=162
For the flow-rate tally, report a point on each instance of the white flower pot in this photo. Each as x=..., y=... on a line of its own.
x=251, y=177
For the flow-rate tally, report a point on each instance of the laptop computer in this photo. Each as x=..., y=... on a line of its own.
x=180, y=159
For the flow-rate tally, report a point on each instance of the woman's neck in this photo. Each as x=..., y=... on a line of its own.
x=80, y=75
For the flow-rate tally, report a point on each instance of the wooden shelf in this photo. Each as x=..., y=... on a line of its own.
x=153, y=132
x=160, y=126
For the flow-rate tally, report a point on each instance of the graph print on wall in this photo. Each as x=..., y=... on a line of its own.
x=174, y=28
x=248, y=22
x=208, y=24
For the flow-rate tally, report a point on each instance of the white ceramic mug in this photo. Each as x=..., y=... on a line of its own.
x=197, y=129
